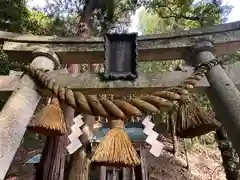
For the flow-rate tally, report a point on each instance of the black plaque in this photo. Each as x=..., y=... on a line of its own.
x=120, y=57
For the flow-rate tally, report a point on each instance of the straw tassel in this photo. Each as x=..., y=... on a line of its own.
x=194, y=121
x=116, y=148
x=49, y=121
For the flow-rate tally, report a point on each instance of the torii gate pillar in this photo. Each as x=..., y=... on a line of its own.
x=223, y=94
x=19, y=109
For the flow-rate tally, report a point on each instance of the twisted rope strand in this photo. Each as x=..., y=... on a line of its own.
x=161, y=100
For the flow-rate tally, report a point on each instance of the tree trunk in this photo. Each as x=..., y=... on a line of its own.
x=229, y=156
x=85, y=23
x=79, y=165
x=52, y=164
x=79, y=168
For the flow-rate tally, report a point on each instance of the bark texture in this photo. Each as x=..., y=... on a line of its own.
x=85, y=23
x=229, y=156
x=52, y=164
x=80, y=163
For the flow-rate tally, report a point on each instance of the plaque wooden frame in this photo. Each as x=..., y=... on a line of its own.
x=111, y=38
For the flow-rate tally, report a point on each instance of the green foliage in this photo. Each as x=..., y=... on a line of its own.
x=105, y=15
x=161, y=16
x=115, y=15
x=229, y=59
x=199, y=144
x=159, y=66
x=170, y=15
x=146, y=24
x=200, y=14
x=16, y=17
x=40, y=23
x=4, y=64
x=12, y=15
x=37, y=23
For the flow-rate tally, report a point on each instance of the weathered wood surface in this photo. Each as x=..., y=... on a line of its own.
x=166, y=46
x=224, y=96
x=127, y=173
x=79, y=161
x=143, y=163
x=52, y=164
x=103, y=172
x=30, y=38
x=146, y=83
x=16, y=114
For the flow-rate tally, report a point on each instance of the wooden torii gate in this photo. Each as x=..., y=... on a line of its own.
x=46, y=52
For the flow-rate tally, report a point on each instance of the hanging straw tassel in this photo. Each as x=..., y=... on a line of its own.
x=193, y=121
x=49, y=121
x=116, y=148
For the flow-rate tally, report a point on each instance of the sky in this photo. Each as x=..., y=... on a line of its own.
x=233, y=16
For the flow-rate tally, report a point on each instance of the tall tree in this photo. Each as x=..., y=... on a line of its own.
x=97, y=15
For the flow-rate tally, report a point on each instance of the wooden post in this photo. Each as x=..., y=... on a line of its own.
x=79, y=161
x=127, y=173
x=114, y=174
x=69, y=112
x=133, y=174
x=103, y=173
x=52, y=164
x=17, y=113
x=223, y=94
x=143, y=162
